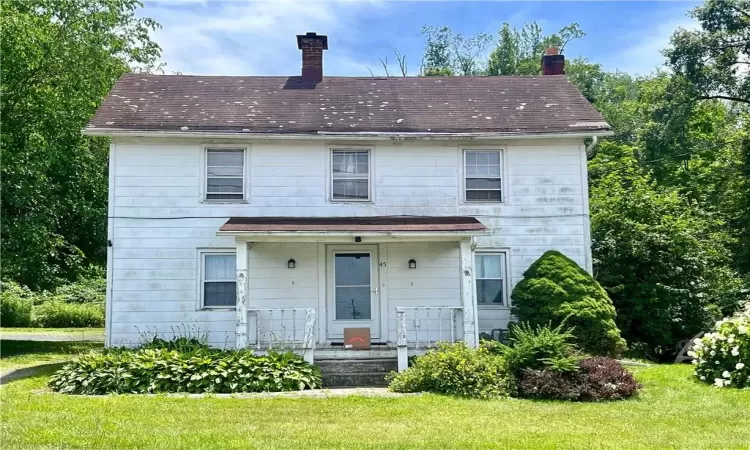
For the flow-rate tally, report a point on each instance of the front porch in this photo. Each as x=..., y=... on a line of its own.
x=301, y=282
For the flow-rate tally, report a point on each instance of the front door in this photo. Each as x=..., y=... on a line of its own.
x=353, y=296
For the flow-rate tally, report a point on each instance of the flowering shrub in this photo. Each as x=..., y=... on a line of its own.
x=722, y=357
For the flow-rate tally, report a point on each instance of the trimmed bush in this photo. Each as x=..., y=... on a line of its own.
x=556, y=290
x=58, y=314
x=453, y=369
x=722, y=357
x=597, y=379
x=536, y=348
x=15, y=305
x=160, y=370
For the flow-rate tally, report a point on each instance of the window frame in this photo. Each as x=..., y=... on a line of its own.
x=370, y=158
x=503, y=271
x=204, y=173
x=202, y=274
x=503, y=186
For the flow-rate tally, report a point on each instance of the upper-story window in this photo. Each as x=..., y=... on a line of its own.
x=483, y=175
x=225, y=174
x=350, y=175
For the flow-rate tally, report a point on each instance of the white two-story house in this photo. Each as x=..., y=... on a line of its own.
x=283, y=210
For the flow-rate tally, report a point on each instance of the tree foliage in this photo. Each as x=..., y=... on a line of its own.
x=664, y=263
x=60, y=58
x=713, y=62
x=518, y=52
x=449, y=53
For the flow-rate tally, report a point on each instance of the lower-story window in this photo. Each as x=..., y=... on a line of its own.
x=218, y=275
x=490, y=278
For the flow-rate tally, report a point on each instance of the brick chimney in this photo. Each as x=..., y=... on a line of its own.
x=312, y=47
x=553, y=63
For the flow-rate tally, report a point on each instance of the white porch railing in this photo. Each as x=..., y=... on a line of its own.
x=423, y=326
x=290, y=328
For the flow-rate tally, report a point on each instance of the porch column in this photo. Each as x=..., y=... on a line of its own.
x=241, y=331
x=471, y=330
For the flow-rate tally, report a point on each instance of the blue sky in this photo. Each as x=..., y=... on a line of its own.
x=243, y=37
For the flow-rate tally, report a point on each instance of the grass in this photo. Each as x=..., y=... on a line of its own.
x=673, y=411
x=53, y=330
x=19, y=354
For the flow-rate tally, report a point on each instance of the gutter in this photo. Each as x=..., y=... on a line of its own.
x=333, y=234
x=328, y=136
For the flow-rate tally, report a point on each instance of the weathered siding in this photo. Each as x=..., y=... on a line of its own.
x=159, y=221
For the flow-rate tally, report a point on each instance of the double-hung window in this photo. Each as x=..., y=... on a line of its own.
x=483, y=176
x=350, y=175
x=218, y=280
x=490, y=279
x=225, y=174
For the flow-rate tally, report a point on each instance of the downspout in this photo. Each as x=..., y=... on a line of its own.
x=592, y=144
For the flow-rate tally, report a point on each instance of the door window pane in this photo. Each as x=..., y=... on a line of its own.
x=353, y=299
x=353, y=303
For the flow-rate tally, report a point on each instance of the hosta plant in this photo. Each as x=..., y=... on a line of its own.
x=722, y=357
x=194, y=370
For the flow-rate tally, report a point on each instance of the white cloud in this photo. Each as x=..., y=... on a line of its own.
x=255, y=38
x=642, y=48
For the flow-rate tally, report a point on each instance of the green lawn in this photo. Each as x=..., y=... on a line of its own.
x=672, y=412
x=18, y=354
x=53, y=330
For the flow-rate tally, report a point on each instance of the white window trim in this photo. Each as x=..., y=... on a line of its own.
x=202, y=252
x=245, y=173
x=370, y=160
x=503, y=176
x=506, y=273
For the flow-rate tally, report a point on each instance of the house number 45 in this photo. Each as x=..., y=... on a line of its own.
x=383, y=264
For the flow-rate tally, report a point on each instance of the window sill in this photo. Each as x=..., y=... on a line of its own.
x=352, y=201
x=485, y=306
x=218, y=308
x=223, y=201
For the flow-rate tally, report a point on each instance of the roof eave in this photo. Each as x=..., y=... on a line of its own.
x=447, y=235
x=369, y=136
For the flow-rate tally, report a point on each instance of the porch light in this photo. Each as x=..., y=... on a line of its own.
x=291, y=263
x=412, y=264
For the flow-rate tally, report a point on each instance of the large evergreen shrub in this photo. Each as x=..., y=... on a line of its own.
x=555, y=290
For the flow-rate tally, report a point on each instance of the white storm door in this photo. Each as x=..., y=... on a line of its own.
x=353, y=295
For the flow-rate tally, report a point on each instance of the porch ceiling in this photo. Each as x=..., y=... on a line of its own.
x=396, y=226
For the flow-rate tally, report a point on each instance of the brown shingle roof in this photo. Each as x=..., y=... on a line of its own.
x=348, y=224
x=514, y=105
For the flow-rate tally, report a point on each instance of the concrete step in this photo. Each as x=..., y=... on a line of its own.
x=335, y=366
x=360, y=379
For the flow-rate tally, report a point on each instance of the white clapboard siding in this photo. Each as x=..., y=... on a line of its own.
x=160, y=221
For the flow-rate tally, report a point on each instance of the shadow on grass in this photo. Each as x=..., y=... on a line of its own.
x=28, y=372
x=14, y=348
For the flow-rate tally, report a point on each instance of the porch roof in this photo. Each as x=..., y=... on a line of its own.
x=354, y=226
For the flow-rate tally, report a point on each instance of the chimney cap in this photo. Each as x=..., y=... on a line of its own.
x=312, y=36
x=551, y=51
